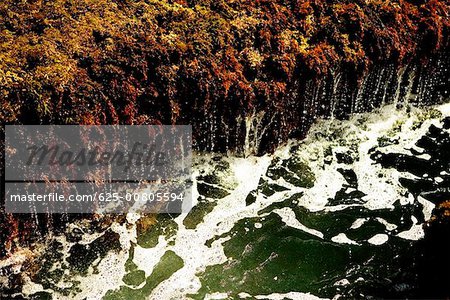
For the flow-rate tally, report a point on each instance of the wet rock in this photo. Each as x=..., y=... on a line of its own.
x=198, y=212
x=434, y=264
x=211, y=191
x=82, y=256
x=344, y=158
x=349, y=176
x=161, y=224
x=251, y=198
x=169, y=264
x=292, y=170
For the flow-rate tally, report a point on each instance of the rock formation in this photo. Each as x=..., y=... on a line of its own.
x=247, y=75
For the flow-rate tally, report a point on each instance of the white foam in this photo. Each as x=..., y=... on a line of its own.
x=189, y=244
x=389, y=226
x=379, y=239
x=342, y=282
x=428, y=207
x=358, y=223
x=414, y=233
x=289, y=218
x=342, y=238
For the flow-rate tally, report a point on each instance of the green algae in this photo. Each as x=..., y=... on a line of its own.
x=198, y=212
x=165, y=225
x=169, y=264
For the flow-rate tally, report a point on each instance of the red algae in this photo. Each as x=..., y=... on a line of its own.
x=149, y=62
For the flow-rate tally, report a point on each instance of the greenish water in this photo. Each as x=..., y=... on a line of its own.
x=336, y=215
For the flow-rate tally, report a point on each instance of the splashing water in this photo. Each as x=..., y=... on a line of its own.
x=332, y=215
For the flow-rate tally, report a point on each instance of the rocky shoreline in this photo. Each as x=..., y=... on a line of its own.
x=247, y=76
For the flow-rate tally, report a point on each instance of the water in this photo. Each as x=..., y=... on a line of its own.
x=338, y=214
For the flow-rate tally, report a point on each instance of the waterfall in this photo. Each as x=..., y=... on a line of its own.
x=339, y=95
x=399, y=85
x=336, y=96
x=255, y=129
x=336, y=78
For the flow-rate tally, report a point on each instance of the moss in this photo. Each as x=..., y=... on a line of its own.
x=211, y=191
x=169, y=264
x=121, y=62
x=198, y=212
x=147, y=237
x=293, y=170
x=430, y=113
x=396, y=128
x=384, y=141
x=134, y=278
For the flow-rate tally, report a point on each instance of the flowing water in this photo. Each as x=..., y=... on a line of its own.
x=338, y=214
